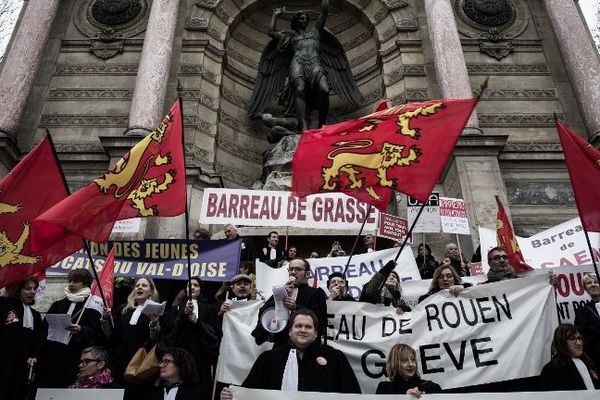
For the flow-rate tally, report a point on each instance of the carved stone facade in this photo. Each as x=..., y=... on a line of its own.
x=84, y=89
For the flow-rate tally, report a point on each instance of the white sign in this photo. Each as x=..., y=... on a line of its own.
x=78, y=394
x=276, y=208
x=429, y=221
x=493, y=332
x=131, y=225
x=453, y=216
x=361, y=269
x=258, y=394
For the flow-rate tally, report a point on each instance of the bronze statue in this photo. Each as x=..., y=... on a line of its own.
x=298, y=68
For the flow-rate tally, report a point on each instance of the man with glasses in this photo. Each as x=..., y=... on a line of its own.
x=500, y=269
x=307, y=298
x=93, y=370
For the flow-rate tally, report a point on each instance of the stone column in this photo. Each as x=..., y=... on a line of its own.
x=580, y=58
x=450, y=67
x=22, y=62
x=148, y=100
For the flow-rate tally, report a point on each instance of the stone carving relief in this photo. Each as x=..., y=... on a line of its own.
x=109, y=22
x=395, y=4
x=407, y=25
x=495, y=23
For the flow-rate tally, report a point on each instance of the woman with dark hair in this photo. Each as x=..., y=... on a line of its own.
x=59, y=361
x=425, y=261
x=384, y=288
x=178, y=376
x=130, y=331
x=194, y=327
x=401, y=369
x=93, y=370
x=570, y=368
x=22, y=335
x=445, y=277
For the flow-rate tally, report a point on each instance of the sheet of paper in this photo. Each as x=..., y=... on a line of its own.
x=280, y=293
x=57, y=327
x=152, y=307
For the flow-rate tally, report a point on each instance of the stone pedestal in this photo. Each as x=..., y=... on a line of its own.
x=277, y=165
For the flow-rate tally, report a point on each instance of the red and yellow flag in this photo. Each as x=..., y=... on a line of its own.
x=33, y=186
x=583, y=163
x=149, y=181
x=505, y=237
x=106, y=280
x=402, y=148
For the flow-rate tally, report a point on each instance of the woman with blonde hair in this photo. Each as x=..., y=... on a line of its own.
x=401, y=369
x=131, y=329
x=445, y=277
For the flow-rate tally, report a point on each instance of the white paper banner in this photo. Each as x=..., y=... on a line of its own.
x=429, y=221
x=475, y=338
x=453, y=216
x=131, y=225
x=258, y=394
x=361, y=269
x=276, y=208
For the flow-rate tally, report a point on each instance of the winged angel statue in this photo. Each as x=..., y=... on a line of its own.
x=298, y=68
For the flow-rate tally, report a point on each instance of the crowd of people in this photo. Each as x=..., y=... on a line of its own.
x=178, y=350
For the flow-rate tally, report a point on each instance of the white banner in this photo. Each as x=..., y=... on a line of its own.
x=276, y=208
x=258, y=394
x=429, y=221
x=489, y=333
x=561, y=246
x=453, y=216
x=361, y=269
x=131, y=225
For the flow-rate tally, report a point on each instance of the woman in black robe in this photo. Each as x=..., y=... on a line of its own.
x=22, y=335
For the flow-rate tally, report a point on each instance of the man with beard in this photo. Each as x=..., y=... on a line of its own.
x=239, y=291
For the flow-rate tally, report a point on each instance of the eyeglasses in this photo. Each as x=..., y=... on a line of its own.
x=166, y=361
x=575, y=338
x=86, y=361
x=500, y=257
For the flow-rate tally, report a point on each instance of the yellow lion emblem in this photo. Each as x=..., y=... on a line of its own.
x=128, y=174
x=10, y=252
x=389, y=156
x=6, y=208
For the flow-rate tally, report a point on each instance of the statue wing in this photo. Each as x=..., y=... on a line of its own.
x=339, y=74
x=273, y=68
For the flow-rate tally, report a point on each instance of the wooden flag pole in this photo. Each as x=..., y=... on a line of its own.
x=357, y=238
x=412, y=226
x=587, y=238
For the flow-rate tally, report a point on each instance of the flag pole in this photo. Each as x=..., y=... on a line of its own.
x=587, y=238
x=187, y=212
x=86, y=245
x=357, y=237
x=409, y=233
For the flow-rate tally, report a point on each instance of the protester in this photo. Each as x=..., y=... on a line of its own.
x=272, y=254
x=570, y=368
x=22, y=335
x=458, y=261
x=338, y=287
x=587, y=318
x=291, y=253
x=201, y=234
x=59, y=361
x=178, y=377
x=445, y=277
x=500, y=269
x=193, y=326
x=401, y=369
x=336, y=250
x=307, y=297
x=131, y=330
x=314, y=254
x=93, y=370
x=425, y=261
x=239, y=290
x=247, y=252
x=302, y=364
x=384, y=288
x=368, y=243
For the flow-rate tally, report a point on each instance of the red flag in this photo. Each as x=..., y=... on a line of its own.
x=505, y=236
x=148, y=181
x=583, y=163
x=106, y=277
x=403, y=148
x=34, y=185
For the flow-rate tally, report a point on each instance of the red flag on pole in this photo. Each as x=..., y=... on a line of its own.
x=505, y=236
x=583, y=163
x=106, y=277
x=402, y=148
x=149, y=181
x=33, y=186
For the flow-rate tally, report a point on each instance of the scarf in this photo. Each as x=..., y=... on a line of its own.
x=27, y=317
x=94, y=382
x=289, y=382
x=79, y=296
x=496, y=276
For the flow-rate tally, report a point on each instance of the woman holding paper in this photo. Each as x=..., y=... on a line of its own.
x=401, y=369
x=445, y=277
x=132, y=329
x=59, y=362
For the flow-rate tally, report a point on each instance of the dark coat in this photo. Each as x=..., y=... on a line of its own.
x=17, y=344
x=426, y=266
x=400, y=386
x=266, y=251
x=555, y=376
x=321, y=369
x=309, y=298
x=588, y=321
x=59, y=363
x=184, y=392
